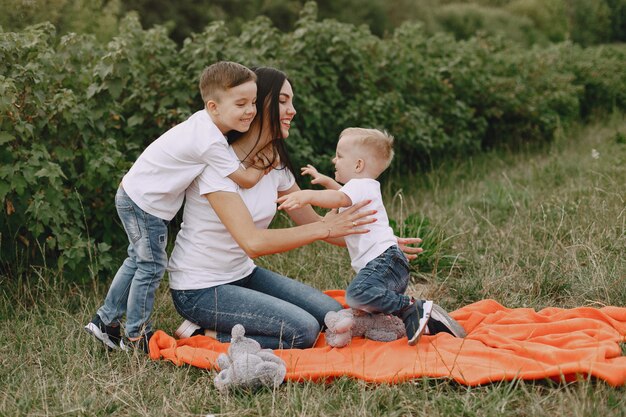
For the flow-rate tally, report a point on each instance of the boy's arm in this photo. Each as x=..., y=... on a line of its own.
x=226, y=164
x=323, y=180
x=320, y=198
x=247, y=178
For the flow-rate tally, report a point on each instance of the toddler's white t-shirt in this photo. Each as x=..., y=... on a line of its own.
x=367, y=246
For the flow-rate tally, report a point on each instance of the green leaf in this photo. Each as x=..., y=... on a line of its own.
x=6, y=137
x=135, y=120
x=115, y=87
x=19, y=184
x=51, y=171
x=4, y=189
x=92, y=90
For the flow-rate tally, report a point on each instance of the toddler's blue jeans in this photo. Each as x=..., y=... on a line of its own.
x=379, y=287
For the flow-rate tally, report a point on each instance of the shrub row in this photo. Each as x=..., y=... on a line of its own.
x=75, y=113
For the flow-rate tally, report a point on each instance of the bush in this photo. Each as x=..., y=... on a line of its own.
x=590, y=21
x=75, y=112
x=599, y=72
x=466, y=20
x=548, y=16
x=99, y=17
x=618, y=19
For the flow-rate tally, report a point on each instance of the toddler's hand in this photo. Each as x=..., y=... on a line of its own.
x=292, y=201
x=312, y=171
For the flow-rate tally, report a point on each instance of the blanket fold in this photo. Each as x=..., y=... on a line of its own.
x=502, y=344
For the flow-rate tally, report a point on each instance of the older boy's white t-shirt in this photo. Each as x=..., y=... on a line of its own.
x=367, y=246
x=158, y=179
x=205, y=254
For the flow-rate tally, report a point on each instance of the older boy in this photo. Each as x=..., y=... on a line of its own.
x=152, y=192
x=381, y=267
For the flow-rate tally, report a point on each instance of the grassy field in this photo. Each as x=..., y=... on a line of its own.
x=546, y=227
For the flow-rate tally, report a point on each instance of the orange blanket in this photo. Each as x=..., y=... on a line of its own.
x=502, y=344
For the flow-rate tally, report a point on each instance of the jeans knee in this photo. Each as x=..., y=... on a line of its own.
x=310, y=335
x=304, y=337
x=151, y=271
x=351, y=301
x=356, y=296
x=160, y=268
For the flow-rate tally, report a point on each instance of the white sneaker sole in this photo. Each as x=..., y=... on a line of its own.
x=185, y=330
x=428, y=307
x=442, y=316
x=102, y=337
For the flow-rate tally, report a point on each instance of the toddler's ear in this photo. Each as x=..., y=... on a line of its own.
x=360, y=165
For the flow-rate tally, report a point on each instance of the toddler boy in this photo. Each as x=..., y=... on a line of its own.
x=381, y=267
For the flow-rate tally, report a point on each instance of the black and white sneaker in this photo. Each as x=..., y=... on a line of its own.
x=416, y=317
x=142, y=344
x=109, y=336
x=440, y=321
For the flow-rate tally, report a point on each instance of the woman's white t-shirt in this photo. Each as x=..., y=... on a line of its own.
x=205, y=254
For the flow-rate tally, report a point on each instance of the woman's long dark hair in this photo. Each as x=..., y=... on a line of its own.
x=269, y=83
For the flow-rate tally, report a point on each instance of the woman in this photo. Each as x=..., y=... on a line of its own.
x=213, y=280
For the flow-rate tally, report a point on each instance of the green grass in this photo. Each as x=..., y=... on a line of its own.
x=545, y=227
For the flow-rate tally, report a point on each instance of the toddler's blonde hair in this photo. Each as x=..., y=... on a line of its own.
x=377, y=143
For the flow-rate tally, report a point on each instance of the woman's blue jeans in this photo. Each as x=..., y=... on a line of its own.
x=379, y=287
x=276, y=311
x=136, y=281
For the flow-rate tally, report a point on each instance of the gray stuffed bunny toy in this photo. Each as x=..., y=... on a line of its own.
x=247, y=365
x=345, y=324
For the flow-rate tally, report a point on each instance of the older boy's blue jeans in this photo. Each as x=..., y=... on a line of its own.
x=136, y=281
x=276, y=311
x=379, y=286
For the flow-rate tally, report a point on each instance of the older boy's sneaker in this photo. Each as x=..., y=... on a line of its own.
x=109, y=336
x=440, y=321
x=415, y=318
x=141, y=344
x=188, y=329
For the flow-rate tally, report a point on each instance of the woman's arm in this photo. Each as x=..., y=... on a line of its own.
x=235, y=216
x=306, y=215
x=319, y=198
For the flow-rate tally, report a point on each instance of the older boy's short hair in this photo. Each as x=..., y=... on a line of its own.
x=221, y=76
x=378, y=142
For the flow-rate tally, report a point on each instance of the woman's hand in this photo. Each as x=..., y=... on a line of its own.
x=349, y=221
x=410, y=252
